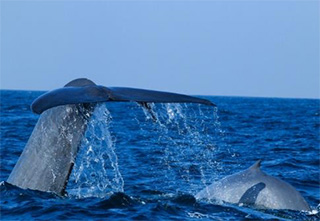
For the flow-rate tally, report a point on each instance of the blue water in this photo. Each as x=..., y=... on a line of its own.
x=131, y=166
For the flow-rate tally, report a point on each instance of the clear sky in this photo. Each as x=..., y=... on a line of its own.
x=241, y=48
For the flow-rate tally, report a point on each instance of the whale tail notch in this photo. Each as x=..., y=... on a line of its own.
x=85, y=91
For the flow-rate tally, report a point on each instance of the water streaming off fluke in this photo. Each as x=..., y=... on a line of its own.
x=96, y=172
x=184, y=132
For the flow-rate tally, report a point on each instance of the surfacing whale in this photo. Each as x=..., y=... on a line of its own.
x=253, y=187
x=48, y=157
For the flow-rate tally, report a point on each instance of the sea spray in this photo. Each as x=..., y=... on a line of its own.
x=182, y=131
x=96, y=172
x=187, y=131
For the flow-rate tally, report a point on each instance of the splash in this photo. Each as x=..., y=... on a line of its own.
x=96, y=172
x=187, y=131
x=179, y=140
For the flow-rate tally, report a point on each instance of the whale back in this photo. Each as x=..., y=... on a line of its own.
x=254, y=187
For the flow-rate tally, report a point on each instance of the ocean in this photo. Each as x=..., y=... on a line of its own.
x=135, y=164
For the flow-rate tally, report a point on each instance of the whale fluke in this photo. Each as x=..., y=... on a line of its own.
x=69, y=95
x=142, y=95
x=85, y=91
x=48, y=157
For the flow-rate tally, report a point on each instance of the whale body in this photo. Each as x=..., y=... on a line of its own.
x=253, y=187
x=48, y=157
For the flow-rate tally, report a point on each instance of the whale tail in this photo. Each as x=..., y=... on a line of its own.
x=85, y=91
x=47, y=159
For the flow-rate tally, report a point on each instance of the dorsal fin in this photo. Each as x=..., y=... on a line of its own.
x=256, y=165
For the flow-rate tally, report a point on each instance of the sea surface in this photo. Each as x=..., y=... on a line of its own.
x=139, y=164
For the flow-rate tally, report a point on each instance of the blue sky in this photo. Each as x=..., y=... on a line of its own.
x=241, y=48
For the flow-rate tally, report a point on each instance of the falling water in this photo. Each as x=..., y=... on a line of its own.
x=182, y=132
x=187, y=131
x=96, y=171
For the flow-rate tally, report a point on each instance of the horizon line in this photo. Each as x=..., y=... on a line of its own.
x=215, y=95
